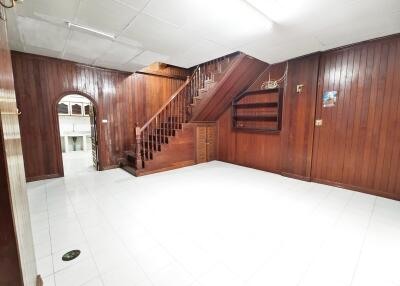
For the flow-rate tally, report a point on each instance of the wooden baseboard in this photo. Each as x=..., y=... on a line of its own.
x=44, y=177
x=327, y=182
x=109, y=167
x=357, y=189
x=143, y=172
x=295, y=176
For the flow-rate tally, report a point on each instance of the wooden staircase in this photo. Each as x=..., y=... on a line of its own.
x=166, y=141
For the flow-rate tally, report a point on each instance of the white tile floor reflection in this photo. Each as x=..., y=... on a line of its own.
x=212, y=224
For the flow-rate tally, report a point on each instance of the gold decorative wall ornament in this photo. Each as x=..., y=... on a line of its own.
x=270, y=84
x=9, y=3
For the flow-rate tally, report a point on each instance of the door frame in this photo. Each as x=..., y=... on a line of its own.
x=57, y=128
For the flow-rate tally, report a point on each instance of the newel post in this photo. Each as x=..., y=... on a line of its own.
x=139, y=161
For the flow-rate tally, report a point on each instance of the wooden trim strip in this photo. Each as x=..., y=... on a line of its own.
x=161, y=74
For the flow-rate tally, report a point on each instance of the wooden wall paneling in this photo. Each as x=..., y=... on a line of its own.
x=358, y=144
x=257, y=150
x=394, y=169
x=201, y=147
x=211, y=142
x=17, y=257
x=122, y=98
x=226, y=139
x=389, y=116
x=298, y=117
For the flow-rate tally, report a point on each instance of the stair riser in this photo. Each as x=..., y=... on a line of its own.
x=147, y=155
x=174, y=119
x=164, y=132
x=152, y=146
x=160, y=139
x=171, y=125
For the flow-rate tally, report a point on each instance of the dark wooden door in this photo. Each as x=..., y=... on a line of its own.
x=93, y=135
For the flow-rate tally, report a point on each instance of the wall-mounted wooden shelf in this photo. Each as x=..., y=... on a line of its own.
x=258, y=111
x=255, y=105
x=257, y=118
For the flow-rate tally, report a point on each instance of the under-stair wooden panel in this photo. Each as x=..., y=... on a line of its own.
x=179, y=152
x=237, y=78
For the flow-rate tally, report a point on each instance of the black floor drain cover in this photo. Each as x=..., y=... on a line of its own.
x=71, y=255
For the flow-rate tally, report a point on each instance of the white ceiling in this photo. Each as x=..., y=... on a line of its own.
x=189, y=32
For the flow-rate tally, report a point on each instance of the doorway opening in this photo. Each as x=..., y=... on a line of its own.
x=78, y=134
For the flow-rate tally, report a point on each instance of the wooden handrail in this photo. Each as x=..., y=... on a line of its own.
x=169, y=100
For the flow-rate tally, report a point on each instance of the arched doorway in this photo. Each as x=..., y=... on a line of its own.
x=76, y=115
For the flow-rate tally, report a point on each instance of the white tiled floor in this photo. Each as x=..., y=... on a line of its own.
x=211, y=224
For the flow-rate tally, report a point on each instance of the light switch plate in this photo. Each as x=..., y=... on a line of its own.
x=299, y=88
x=318, y=122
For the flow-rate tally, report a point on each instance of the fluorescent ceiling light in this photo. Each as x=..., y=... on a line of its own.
x=69, y=24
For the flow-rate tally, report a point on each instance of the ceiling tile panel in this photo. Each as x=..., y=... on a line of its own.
x=77, y=58
x=203, y=51
x=177, y=12
x=54, y=10
x=119, y=53
x=50, y=37
x=14, y=36
x=344, y=34
x=136, y=4
x=132, y=67
x=105, y=15
x=230, y=23
x=188, y=32
x=41, y=51
x=87, y=45
x=159, y=36
x=148, y=57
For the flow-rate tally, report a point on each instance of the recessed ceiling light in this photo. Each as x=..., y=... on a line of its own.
x=69, y=24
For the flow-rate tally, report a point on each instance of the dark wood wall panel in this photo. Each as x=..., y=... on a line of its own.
x=298, y=117
x=358, y=145
x=288, y=151
x=17, y=258
x=256, y=150
x=122, y=99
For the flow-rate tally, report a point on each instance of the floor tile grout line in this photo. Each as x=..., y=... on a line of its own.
x=130, y=254
x=51, y=244
x=363, y=242
x=325, y=239
x=87, y=243
x=119, y=238
x=281, y=247
x=166, y=250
